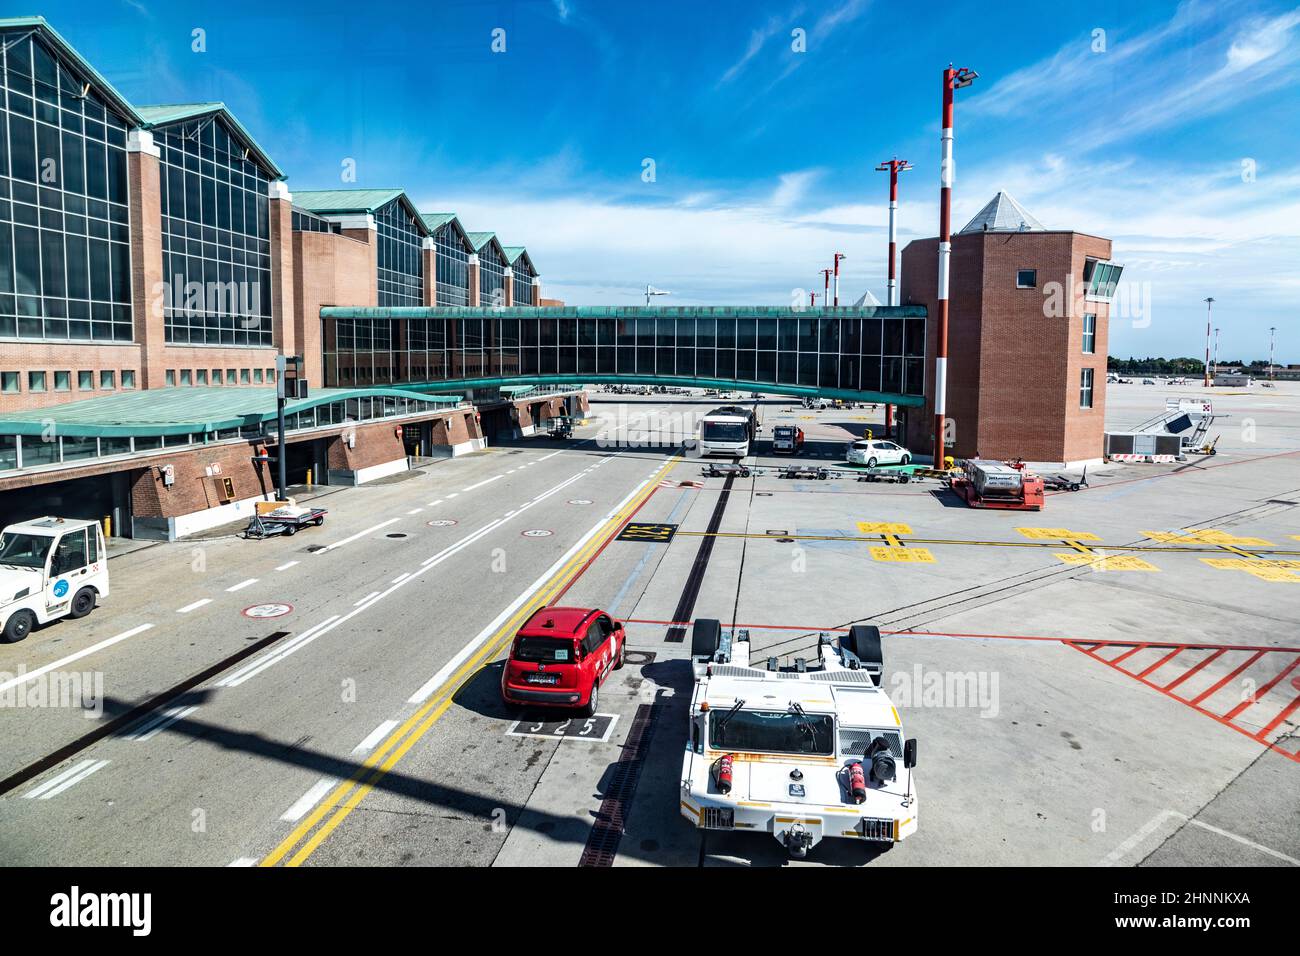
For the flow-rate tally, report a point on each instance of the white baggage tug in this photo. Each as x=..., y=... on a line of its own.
x=49, y=568
x=802, y=753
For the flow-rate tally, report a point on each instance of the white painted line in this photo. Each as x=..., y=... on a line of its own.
x=308, y=800
x=551, y=455
x=359, y=534
x=286, y=566
x=39, y=789
x=244, y=861
x=401, y=577
x=486, y=481
x=84, y=770
x=1161, y=819
x=508, y=514
x=261, y=663
x=415, y=511
x=453, y=494
x=193, y=607
x=241, y=585
x=366, y=598
x=160, y=722
x=63, y=661
x=432, y=503
x=376, y=735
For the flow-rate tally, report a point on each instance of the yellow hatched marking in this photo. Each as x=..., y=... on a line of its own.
x=1251, y=564
x=1115, y=562
x=1206, y=536
x=1274, y=575
x=903, y=555
x=1053, y=534
x=883, y=527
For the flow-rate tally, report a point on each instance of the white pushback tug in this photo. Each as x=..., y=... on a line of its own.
x=802, y=753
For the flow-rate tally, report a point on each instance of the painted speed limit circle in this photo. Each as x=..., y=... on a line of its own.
x=537, y=533
x=263, y=611
x=579, y=501
x=441, y=523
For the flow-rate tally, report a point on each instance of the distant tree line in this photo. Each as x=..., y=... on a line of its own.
x=1178, y=366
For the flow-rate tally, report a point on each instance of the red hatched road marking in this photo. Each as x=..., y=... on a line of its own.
x=1227, y=720
x=1262, y=692
x=1178, y=680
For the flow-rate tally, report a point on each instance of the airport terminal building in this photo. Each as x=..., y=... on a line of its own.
x=153, y=263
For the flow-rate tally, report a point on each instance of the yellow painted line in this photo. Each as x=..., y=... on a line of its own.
x=980, y=543
x=752, y=803
x=1063, y=534
x=387, y=754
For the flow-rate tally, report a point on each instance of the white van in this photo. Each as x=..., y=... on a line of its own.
x=49, y=568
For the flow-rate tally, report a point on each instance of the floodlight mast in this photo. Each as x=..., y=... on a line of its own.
x=826, y=293
x=1209, y=311
x=838, y=257
x=953, y=79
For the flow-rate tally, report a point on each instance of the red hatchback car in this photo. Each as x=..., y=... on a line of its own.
x=561, y=656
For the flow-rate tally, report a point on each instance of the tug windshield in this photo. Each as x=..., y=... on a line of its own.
x=772, y=732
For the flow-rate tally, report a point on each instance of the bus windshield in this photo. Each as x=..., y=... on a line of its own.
x=725, y=431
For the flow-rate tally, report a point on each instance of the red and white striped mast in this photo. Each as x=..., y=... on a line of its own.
x=952, y=80
x=826, y=296
x=838, y=257
x=1209, y=315
x=895, y=166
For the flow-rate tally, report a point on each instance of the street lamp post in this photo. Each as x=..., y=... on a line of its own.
x=1271, y=331
x=1216, y=352
x=952, y=80
x=1209, y=306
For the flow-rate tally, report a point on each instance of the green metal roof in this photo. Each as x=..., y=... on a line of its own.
x=66, y=50
x=514, y=253
x=437, y=220
x=480, y=239
x=328, y=202
x=168, y=113
x=180, y=411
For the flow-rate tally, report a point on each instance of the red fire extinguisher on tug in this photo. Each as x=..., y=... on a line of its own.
x=722, y=773
x=857, y=782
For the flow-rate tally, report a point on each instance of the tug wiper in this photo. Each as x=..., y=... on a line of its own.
x=722, y=724
x=797, y=709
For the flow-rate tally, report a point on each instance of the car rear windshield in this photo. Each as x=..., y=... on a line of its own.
x=772, y=731
x=547, y=650
x=24, y=550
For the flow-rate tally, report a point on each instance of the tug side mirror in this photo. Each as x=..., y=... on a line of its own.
x=909, y=754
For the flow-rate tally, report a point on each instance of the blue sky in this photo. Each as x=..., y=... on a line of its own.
x=1172, y=132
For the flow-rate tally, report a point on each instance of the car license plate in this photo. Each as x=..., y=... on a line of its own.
x=542, y=678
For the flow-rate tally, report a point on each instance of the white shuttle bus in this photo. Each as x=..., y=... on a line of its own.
x=726, y=432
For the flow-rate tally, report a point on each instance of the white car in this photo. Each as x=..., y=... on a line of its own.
x=872, y=452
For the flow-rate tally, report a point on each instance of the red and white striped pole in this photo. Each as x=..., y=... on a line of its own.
x=812, y=299
x=826, y=296
x=838, y=257
x=894, y=166
x=952, y=80
x=1209, y=311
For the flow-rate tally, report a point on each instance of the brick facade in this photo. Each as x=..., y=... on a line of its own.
x=1015, y=355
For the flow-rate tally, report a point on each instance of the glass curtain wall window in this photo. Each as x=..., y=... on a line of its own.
x=491, y=277
x=859, y=354
x=523, y=282
x=452, y=266
x=216, y=237
x=401, y=269
x=65, y=255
